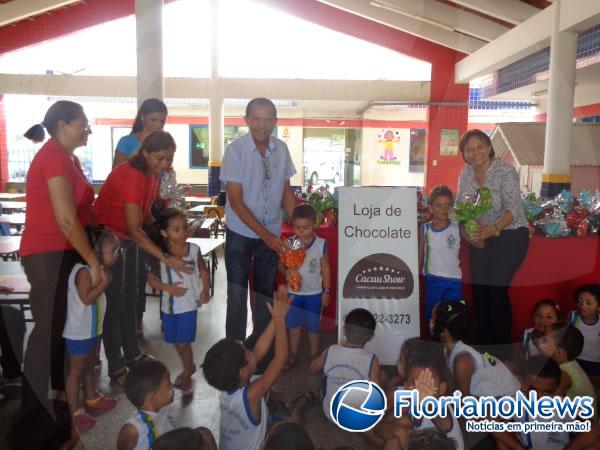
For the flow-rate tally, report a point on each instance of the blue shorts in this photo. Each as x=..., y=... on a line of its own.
x=180, y=328
x=438, y=289
x=590, y=367
x=77, y=347
x=305, y=311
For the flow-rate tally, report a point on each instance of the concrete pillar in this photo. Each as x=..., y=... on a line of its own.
x=215, y=114
x=148, y=25
x=448, y=109
x=559, y=122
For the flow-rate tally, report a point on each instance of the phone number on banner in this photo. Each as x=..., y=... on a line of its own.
x=390, y=319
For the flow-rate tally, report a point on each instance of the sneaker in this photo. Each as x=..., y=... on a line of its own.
x=101, y=403
x=82, y=420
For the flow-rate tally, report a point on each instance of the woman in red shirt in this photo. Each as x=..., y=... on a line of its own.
x=59, y=205
x=123, y=205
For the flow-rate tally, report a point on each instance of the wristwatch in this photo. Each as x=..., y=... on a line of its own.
x=497, y=230
x=326, y=290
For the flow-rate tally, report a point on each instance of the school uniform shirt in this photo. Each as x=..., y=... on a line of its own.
x=441, y=251
x=238, y=430
x=83, y=321
x=150, y=425
x=344, y=364
x=189, y=301
x=591, y=337
x=455, y=434
x=580, y=382
x=42, y=233
x=310, y=271
x=544, y=440
x=529, y=347
x=490, y=375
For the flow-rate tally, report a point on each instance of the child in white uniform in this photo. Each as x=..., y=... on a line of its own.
x=587, y=320
x=149, y=388
x=439, y=243
x=181, y=293
x=545, y=313
x=480, y=374
x=86, y=305
x=314, y=293
x=229, y=367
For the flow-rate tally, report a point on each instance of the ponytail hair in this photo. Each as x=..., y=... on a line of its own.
x=162, y=223
x=62, y=110
x=453, y=316
x=99, y=236
x=149, y=106
x=36, y=133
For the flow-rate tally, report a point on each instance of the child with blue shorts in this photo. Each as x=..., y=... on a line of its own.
x=86, y=305
x=439, y=244
x=181, y=293
x=314, y=294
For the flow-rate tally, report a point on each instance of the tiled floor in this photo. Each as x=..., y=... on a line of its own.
x=203, y=409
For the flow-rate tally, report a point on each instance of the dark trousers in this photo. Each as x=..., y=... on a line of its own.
x=492, y=271
x=12, y=333
x=142, y=278
x=121, y=304
x=48, y=275
x=240, y=252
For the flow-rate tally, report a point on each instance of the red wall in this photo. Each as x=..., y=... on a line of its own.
x=3, y=148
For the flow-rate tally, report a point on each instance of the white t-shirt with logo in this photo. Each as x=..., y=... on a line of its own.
x=83, y=321
x=310, y=271
x=238, y=430
x=189, y=301
x=441, y=251
x=342, y=365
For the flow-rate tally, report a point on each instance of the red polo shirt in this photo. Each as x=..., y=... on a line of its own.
x=42, y=233
x=124, y=185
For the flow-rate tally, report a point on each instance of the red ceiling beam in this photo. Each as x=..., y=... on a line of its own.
x=365, y=29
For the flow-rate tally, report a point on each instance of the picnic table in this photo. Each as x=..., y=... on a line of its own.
x=9, y=247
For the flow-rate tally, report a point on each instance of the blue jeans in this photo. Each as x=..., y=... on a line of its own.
x=240, y=252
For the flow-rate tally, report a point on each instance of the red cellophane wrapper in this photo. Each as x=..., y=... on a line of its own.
x=292, y=258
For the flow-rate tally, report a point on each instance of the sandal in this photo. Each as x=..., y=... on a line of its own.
x=291, y=362
x=100, y=403
x=142, y=357
x=178, y=380
x=309, y=398
x=120, y=376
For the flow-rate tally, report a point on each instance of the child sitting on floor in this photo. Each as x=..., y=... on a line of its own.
x=474, y=373
x=543, y=375
x=148, y=387
x=545, y=313
x=86, y=305
x=349, y=361
x=587, y=320
x=563, y=344
x=229, y=367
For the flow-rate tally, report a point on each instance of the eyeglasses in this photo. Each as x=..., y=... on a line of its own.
x=266, y=168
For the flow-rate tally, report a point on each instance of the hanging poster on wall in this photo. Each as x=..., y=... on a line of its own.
x=378, y=263
x=389, y=139
x=449, y=138
x=418, y=138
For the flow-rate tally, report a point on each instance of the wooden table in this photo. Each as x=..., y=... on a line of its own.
x=208, y=247
x=9, y=196
x=192, y=199
x=12, y=275
x=9, y=247
x=13, y=206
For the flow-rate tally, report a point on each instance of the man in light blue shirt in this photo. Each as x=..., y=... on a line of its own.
x=256, y=169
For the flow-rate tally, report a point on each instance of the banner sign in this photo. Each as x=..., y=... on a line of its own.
x=378, y=263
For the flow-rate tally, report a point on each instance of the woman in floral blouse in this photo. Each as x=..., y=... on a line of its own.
x=499, y=245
